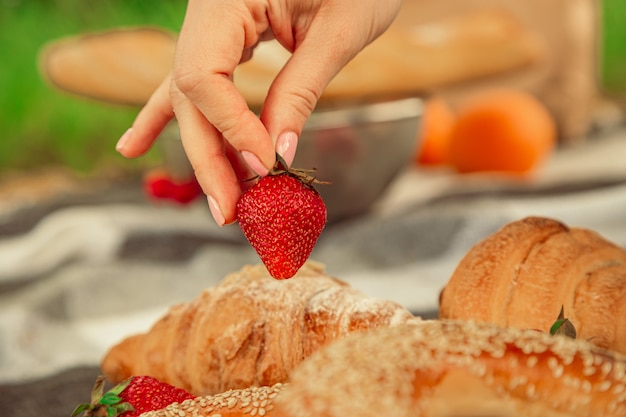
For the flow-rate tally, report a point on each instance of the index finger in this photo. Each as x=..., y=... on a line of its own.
x=210, y=47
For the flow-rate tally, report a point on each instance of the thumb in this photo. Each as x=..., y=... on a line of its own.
x=295, y=91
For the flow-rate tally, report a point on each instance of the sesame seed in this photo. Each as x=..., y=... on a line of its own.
x=552, y=363
x=526, y=348
x=604, y=386
x=589, y=370
x=517, y=381
x=572, y=381
x=557, y=372
x=588, y=361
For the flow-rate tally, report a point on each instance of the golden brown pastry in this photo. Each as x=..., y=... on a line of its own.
x=447, y=368
x=245, y=402
x=412, y=57
x=250, y=330
x=438, y=368
x=123, y=65
x=521, y=276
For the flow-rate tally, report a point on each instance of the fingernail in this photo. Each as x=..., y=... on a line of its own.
x=216, y=212
x=123, y=140
x=254, y=163
x=286, y=145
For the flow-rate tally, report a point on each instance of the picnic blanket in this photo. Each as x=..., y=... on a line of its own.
x=79, y=273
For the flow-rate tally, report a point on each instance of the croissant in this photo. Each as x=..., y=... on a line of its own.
x=524, y=273
x=249, y=330
x=436, y=368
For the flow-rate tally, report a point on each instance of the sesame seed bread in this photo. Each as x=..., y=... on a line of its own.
x=457, y=368
x=249, y=330
x=521, y=275
x=436, y=368
x=247, y=402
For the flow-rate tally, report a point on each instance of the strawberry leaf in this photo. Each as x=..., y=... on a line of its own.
x=98, y=390
x=81, y=408
x=556, y=326
x=110, y=399
x=117, y=390
x=121, y=408
x=562, y=326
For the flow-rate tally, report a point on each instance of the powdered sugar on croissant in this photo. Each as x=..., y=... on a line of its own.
x=249, y=330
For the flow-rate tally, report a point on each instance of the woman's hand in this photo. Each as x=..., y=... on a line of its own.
x=224, y=140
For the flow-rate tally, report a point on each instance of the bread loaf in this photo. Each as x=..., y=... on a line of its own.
x=523, y=274
x=457, y=369
x=438, y=368
x=249, y=330
x=246, y=402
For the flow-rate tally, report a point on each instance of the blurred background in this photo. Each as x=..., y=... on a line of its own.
x=567, y=54
x=43, y=127
x=465, y=115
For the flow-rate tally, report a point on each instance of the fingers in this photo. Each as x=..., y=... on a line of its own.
x=293, y=95
x=148, y=124
x=204, y=66
x=217, y=166
x=321, y=46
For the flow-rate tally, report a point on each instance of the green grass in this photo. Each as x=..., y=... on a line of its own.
x=41, y=126
x=613, y=47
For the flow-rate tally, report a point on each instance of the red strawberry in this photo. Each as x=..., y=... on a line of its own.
x=282, y=216
x=158, y=186
x=185, y=192
x=161, y=186
x=135, y=396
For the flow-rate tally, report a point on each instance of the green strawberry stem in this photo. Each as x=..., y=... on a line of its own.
x=562, y=326
x=103, y=404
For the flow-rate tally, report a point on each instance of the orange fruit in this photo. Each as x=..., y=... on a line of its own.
x=503, y=131
x=434, y=133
